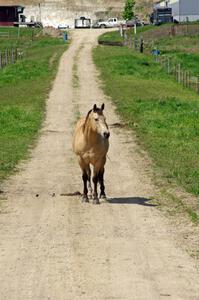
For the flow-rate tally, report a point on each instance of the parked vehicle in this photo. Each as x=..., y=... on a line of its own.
x=28, y=24
x=110, y=23
x=161, y=16
x=63, y=26
x=83, y=22
x=133, y=22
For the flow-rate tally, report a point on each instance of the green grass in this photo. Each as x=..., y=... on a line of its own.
x=114, y=36
x=183, y=50
x=175, y=206
x=24, y=89
x=164, y=114
x=18, y=38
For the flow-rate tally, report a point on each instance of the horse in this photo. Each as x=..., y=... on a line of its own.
x=91, y=144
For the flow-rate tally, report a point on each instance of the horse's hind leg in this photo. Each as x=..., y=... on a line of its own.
x=98, y=176
x=102, y=186
x=85, y=191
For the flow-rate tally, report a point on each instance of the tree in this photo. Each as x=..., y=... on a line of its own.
x=128, y=12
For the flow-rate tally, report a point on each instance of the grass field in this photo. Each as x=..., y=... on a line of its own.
x=114, y=36
x=24, y=88
x=21, y=37
x=164, y=114
x=183, y=50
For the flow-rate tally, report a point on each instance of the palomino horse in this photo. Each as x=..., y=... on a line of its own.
x=90, y=144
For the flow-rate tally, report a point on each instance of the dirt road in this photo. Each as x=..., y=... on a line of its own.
x=54, y=247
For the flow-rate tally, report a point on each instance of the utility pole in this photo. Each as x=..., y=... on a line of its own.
x=40, y=12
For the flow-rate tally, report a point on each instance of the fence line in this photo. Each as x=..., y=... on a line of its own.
x=9, y=56
x=181, y=75
x=175, y=69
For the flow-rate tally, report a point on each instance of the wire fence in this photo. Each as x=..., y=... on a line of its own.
x=185, y=29
x=10, y=56
x=180, y=74
x=176, y=69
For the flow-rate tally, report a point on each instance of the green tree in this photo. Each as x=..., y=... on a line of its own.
x=128, y=12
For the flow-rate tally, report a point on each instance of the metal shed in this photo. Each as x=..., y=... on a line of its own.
x=182, y=10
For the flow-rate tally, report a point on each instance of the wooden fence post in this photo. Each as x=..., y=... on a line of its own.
x=32, y=34
x=121, y=30
x=16, y=54
x=125, y=37
x=188, y=81
x=13, y=56
x=185, y=78
x=179, y=73
x=9, y=56
x=0, y=60
x=5, y=57
x=174, y=72
x=197, y=84
x=168, y=65
x=130, y=37
x=141, y=45
x=135, y=43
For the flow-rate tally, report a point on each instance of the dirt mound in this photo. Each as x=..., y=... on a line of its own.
x=51, y=31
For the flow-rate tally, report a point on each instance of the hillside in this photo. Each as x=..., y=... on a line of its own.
x=144, y=7
x=54, y=12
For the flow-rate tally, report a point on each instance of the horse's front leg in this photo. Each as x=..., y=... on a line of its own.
x=95, y=181
x=102, y=186
x=90, y=190
x=85, y=191
x=85, y=178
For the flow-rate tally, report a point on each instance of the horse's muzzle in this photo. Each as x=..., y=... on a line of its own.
x=106, y=135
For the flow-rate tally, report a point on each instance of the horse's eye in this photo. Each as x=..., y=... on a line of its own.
x=96, y=119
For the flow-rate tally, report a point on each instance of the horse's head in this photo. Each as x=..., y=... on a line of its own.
x=98, y=121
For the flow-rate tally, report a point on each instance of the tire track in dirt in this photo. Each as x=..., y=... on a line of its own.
x=55, y=247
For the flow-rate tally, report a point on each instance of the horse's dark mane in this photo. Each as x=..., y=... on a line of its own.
x=88, y=114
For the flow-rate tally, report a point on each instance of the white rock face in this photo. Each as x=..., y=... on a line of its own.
x=55, y=12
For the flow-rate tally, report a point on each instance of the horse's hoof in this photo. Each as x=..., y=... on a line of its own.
x=85, y=199
x=90, y=196
x=103, y=198
x=96, y=201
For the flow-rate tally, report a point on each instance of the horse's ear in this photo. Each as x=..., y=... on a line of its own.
x=94, y=107
x=102, y=107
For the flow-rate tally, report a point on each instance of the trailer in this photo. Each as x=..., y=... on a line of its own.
x=83, y=22
x=161, y=16
x=182, y=10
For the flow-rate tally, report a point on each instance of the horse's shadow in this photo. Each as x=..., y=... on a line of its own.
x=132, y=200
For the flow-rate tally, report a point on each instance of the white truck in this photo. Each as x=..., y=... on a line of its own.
x=111, y=22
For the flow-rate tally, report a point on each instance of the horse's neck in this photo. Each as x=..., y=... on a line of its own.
x=90, y=135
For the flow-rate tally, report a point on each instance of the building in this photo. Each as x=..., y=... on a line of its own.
x=10, y=14
x=182, y=10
